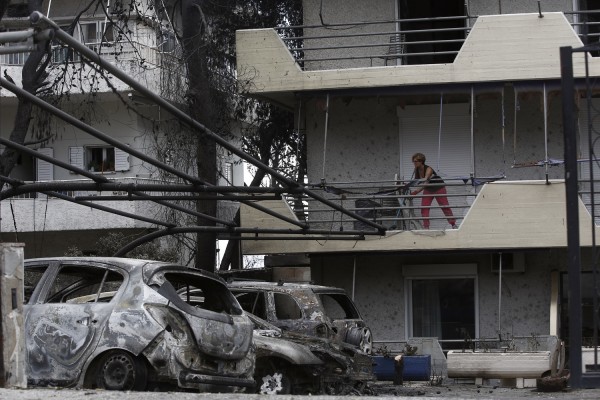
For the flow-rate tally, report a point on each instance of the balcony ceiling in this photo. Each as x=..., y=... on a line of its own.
x=499, y=48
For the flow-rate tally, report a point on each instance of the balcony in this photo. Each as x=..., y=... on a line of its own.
x=496, y=215
x=38, y=212
x=156, y=65
x=380, y=58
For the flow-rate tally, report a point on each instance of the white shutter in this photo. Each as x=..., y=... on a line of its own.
x=420, y=133
x=121, y=160
x=45, y=170
x=76, y=156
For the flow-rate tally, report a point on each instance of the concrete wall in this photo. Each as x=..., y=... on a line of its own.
x=363, y=136
x=379, y=290
x=491, y=7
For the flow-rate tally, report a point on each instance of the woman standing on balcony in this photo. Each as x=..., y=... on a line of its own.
x=432, y=187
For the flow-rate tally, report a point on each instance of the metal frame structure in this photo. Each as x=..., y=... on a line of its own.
x=194, y=189
x=579, y=378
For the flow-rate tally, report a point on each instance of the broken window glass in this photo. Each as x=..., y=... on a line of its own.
x=84, y=284
x=286, y=307
x=338, y=306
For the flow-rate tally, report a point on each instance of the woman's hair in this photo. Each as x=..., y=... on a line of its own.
x=418, y=157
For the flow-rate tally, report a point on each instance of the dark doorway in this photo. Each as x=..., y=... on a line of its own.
x=430, y=9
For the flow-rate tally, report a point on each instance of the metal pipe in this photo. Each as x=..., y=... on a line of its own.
x=136, y=197
x=448, y=18
x=16, y=36
x=325, y=138
x=500, y=293
x=38, y=18
x=546, y=132
x=572, y=212
x=177, y=230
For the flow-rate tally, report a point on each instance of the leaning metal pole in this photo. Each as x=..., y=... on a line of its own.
x=572, y=200
x=38, y=18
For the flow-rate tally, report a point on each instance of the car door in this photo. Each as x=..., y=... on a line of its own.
x=65, y=317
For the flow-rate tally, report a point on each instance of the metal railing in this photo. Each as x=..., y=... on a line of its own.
x=126, y=180
x=389, y=203
x=401, y=41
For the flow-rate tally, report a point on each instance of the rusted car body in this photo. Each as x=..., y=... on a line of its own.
x=291, y=362
x=124, y=324
x=320, y=311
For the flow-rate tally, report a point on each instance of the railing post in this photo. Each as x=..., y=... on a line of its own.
x=572, y=199
x=12, y=336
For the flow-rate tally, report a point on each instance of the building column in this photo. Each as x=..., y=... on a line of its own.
x=12, y=337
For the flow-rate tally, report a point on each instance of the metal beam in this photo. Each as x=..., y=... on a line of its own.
x=39, y=19
x=195, y=229
x=175, y=197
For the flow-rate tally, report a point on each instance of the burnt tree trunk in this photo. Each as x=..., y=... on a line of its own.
x=195, y=47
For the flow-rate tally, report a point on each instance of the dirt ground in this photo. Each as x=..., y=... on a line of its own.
x=378, y=390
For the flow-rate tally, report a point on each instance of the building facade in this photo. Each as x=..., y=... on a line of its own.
x=474, y=86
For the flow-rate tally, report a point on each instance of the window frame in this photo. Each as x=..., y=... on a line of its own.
x=437, y=272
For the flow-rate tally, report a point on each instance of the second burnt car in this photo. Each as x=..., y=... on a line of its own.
x=124, y=324
x=290, y=362
x=315, y=310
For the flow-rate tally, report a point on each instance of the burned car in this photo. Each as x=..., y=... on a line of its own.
x=124, y=324
x=321, y=311
x=290, y=362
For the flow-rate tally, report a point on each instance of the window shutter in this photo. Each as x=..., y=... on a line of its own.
x=45, y=170
x=76, y=156
x=419, y=132
x=121, y=160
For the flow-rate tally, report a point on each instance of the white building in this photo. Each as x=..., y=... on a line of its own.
x=48, y=225
x=478, y=91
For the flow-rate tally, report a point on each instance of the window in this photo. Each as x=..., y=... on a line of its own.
x=286, y=307
x=13, y=58
x=253, y=302
x=84, y=284
x=441, y=302
x=228, y=173
x=44, y=169
x=99, y=158
x=93, y=34
x=338, y=306
x=31, y=278
x=202, y=293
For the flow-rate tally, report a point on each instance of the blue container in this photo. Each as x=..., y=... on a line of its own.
x=416, y=368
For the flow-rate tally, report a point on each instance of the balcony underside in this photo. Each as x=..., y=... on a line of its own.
x=499, y=48
x=504, y=215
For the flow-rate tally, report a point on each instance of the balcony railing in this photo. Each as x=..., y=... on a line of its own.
x=397, y=42
x=388, y=203
x=122, y=50
x=86, y=193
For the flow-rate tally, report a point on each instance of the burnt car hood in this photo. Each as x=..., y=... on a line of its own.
x=217, y=334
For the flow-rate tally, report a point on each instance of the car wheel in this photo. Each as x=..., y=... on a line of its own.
x=361, y=338
x=272, y=380
x=119, y=370
x=366, y=341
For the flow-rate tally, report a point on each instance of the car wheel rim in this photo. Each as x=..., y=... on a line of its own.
x=118, y=372
x=366, y=344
